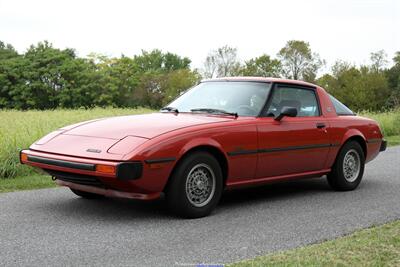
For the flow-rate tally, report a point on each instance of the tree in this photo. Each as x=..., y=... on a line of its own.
x=7, y=51
x=35, y=77
x=12, y=80
x=156, y=60
x=9, y=73
x=222, y=62
x=157, y=89
x=299, y=62
x=396, y=58
x=393, y=78
x=177, y=82
x=161, y=76
x=262, y=66
x=210, y=67
x=175, y=62
x=360, y=88
x=379, y=60
x=45, y=77
x=116, y=80
x=81, y=83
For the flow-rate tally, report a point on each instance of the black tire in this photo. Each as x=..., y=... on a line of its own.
x=337, y=178
x=86, y=195
x=178, y=197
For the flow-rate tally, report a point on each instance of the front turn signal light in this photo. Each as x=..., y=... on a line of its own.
x=23, y=157
x=109, y=169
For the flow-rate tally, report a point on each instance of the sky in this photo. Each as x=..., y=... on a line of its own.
x=336, y=29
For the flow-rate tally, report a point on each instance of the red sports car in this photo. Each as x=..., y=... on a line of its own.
x=221, y=134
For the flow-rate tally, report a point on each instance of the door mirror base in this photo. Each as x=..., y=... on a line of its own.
x=286, y=111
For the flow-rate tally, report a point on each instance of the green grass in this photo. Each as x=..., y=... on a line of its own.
x=19, y=129
x=376, y=246
x=393, y=140
x=34, y=181
x=389, y=121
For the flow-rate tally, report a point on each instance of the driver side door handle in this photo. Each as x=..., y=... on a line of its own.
x=320, y=125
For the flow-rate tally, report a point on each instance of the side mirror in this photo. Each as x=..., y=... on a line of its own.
x=286, y=111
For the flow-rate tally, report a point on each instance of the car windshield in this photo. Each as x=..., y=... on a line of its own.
x=223, y=97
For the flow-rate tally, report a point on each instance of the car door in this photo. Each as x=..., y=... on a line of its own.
x=295, y=144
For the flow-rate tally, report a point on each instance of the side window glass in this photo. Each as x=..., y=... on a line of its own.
x=305, y=101
x=340, y=108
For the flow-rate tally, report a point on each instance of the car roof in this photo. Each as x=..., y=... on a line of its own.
x=259, y=79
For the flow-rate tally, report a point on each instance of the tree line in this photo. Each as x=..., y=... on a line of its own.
x=45, y=77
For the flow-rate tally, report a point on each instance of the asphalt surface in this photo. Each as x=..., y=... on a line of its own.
x=54, y=227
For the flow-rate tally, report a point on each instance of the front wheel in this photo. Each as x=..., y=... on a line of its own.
x=348, y=169
x=196, y=186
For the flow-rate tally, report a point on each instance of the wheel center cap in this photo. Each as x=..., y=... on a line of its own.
x=200, y=185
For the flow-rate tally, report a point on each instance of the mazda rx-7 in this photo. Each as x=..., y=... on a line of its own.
x=221, y=134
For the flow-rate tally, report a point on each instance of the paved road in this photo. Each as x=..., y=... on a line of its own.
x=53, y=227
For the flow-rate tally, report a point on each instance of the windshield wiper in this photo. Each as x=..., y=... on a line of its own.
x=170, y=109
x=214, y=111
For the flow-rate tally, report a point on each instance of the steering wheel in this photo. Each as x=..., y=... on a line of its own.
x=247, y=110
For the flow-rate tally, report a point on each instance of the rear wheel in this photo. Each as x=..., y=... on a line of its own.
x=86, y=195
x=196, y=186
x=348, y=169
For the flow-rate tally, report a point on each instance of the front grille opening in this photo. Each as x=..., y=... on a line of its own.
x=76, y=178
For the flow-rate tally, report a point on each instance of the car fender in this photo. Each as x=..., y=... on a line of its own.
x=352, y=133
x=174, y=148
x=198, y=142
x=338, y=143
x=192, y=145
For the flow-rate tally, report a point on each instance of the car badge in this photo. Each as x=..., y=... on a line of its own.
x=93, y=150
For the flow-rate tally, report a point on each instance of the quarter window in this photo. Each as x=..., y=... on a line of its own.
x=304, y=100
x=340, y=108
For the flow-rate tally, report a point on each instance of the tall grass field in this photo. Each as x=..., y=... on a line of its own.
x=389, y=121
x=19, y=129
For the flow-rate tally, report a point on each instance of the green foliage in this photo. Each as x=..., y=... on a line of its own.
x=34, y=181
x=389, y=121
x=299, y=62
x=393, y=78
x=363, y=88
x=7, y=51
x=393, y=140
x=46, y=78
x=157, y=89
x=156, y=61
x=178, y=82
x=378, y=60
x=262, y=66
x=375, y=246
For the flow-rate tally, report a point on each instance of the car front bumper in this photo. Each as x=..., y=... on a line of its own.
x=124, y=171
x=90, y=175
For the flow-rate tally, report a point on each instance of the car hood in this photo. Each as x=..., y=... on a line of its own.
x=112, y=138
x=146, y=125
